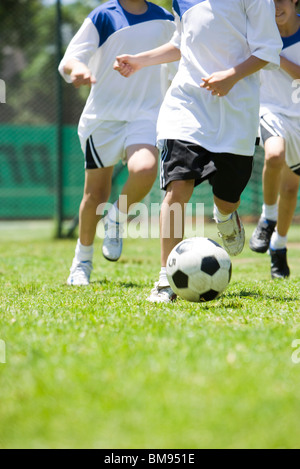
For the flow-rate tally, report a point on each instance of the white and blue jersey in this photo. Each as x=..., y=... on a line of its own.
x=215, y=36
x=280, y=106
x=277, y=87
x=110, y=31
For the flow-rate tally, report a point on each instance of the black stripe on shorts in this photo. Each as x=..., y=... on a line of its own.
x=266, y=130
x=92, y=158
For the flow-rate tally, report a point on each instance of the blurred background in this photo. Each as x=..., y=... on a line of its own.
x=42, y=168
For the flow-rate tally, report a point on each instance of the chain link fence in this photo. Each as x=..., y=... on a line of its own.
x=42, y=168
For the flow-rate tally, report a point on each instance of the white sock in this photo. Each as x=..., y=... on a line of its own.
x=163, y=279
x=278, y=242
x=270, y=212
x=84, y=253
x=220, y=217
x=116, y=216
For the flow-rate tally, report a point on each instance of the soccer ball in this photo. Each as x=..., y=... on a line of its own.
x=199, y=269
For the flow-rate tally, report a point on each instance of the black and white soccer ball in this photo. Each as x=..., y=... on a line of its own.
x=199, y=269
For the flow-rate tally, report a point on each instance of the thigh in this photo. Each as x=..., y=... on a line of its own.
x=275, y=148
x=140, y=143
x=140, y=132
x=106, y=145
x=273, y=137
x=141, y=157
x=293, y=143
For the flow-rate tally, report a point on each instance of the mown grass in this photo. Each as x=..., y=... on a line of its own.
x=100, y=367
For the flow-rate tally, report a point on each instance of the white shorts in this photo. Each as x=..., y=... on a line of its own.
x=108, y=143
x=278, y=125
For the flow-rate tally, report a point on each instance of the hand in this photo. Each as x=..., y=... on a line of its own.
x=219, y=83
x=127, y=65
x=82, y=76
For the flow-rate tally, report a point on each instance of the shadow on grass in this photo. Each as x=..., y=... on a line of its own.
x=261, y=296
x=105, y=282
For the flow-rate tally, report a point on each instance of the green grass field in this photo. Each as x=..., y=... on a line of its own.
x=99, y=367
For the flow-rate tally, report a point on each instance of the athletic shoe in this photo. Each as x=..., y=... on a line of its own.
x=80, y=273
x=279, y=265
x=162, y=294
x=113, y=241
x=260, y=240
x=233, y=234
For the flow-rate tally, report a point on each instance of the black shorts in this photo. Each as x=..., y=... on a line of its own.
x=228, y=174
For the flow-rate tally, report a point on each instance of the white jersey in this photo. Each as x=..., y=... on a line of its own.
x=110, y=31
x=214, y=36
x=278, y=89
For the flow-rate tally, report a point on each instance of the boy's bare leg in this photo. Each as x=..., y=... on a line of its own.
x=288, y=197
x=274, y=163
x=172, y=216
x=226, y=208
x=142, y=169
x=273, y=167
x=97, y=190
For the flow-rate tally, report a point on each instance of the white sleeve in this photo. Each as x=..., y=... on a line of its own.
x=262, y=32
x=168, y=72
x=82, y=47
x=176, y=39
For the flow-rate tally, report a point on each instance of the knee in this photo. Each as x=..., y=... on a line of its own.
x=145, y=173
x=226, y=207
x=275, y=160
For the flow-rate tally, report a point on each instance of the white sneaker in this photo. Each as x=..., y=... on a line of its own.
x=162, y=294
x=233, y=235
x=113, y=241
x=80, y=273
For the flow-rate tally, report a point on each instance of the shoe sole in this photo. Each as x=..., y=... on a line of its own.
x=69, y=284
x=279, y=277
x=258, y=250
x=158, y=301
x=110, y=260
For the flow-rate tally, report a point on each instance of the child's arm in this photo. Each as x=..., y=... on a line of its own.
x=80, y=74
x=74, y=65
x=127, y=65
x=220, y=83
x=290, y=67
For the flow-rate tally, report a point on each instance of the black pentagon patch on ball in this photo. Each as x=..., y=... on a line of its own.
x=180, y=279
x=209, y=296
x=210, y=265
x=184, y=247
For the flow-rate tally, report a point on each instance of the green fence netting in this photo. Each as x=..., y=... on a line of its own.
x=39, y=177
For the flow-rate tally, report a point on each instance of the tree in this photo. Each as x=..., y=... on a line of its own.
x=28, y=35
x=28, y=31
